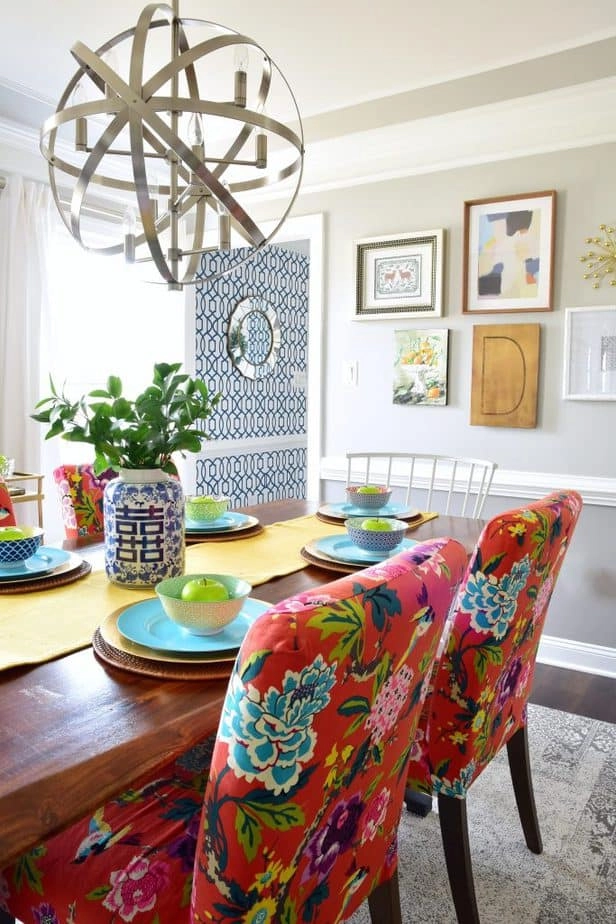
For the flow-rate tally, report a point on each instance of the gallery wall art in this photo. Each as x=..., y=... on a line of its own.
x=420, y=367
x=399, y=276
x=509, y=253
x=505, y=375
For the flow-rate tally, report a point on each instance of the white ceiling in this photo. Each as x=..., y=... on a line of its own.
x=334, y=53
x=338, y=55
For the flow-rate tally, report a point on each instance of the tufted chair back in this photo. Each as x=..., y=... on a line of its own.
x=307, y=777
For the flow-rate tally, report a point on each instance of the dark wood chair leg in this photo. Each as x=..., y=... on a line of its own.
x=454, y=830
x=418, y=803
x=384, y=902
x=6, y=918
x=521, y=777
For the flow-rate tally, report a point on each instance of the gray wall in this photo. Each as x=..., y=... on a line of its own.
x=573, y=441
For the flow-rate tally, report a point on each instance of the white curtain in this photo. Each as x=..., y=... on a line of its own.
x=25, y=214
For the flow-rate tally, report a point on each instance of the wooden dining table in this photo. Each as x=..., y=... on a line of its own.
x=74, y=731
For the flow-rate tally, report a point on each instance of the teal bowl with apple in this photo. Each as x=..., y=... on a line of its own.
x=203, y=604
x=17, y=543
x=376, y=534
x=203, y=508
x=368, y=496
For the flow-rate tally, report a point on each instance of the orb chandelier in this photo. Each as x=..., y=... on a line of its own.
x=179, y=146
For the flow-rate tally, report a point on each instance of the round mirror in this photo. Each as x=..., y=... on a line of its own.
x=253, y=337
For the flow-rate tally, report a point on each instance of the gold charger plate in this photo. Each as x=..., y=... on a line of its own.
x=112, y=648
x=238, y=532
x=112, y=636
x=329, y=564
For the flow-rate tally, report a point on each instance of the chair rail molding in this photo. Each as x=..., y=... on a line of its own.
x=507, y=482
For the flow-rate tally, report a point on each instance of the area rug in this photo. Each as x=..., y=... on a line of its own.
x=573, y=880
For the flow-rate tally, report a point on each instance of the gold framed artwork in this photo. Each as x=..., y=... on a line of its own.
x=399, y=276
x=505, y=375
x=509, y=253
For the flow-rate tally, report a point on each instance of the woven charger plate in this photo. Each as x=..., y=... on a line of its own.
x=169, y=670
x=72, y=570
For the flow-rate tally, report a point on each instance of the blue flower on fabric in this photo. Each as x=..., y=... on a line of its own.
x=270, y=735
x=491, y=602
x=334, y=837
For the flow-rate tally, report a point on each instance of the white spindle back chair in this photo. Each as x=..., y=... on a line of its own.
x=465, y=481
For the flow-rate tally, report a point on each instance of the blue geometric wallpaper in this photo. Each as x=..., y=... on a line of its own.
x=273, y=406
x=255, y=477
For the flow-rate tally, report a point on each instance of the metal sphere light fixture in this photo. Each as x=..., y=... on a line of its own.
x=179, y=146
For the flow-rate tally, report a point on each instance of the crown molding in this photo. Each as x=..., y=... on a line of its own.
x=571, y=117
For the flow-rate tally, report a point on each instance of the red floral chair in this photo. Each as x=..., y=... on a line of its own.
x=7, y=511
x=482, y=679
x=81, y=496
x=290, y=813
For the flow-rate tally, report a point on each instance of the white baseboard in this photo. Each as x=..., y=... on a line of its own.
x=577, y=656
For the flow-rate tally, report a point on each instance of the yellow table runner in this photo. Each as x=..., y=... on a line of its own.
x=36, y=627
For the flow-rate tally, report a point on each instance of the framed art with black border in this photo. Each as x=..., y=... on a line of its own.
x=399, y=276
x=509, y=253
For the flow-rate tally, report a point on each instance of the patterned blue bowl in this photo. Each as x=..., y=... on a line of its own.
x=15, y=551
x=376, y=540
x=372, y=501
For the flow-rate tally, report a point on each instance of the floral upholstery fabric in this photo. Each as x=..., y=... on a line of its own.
x=7, y=511
x=293, y=815
x=483, y=676
x=81, y=496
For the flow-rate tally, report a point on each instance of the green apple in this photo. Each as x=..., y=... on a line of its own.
x=369, y=489
x=204, y=589
x=11, y=532
x=378, y=525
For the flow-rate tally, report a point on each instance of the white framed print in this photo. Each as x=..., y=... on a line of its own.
x=590, y=354
x=399, y=276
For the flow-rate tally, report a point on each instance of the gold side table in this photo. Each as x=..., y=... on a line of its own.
x=33, y=493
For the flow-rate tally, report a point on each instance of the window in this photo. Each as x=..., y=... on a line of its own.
x=105, y=321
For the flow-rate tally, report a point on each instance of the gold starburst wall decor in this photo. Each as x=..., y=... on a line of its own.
x=601, y=261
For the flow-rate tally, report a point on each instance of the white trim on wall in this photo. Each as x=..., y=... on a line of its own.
x=508, y=483
x=577, y=656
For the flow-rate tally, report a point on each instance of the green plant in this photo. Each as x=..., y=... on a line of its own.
x=139, y=433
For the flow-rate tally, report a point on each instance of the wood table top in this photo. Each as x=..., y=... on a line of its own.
x=74, y=731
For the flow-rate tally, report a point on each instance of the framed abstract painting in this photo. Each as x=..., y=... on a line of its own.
x=399, y=276
x=509, y=253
